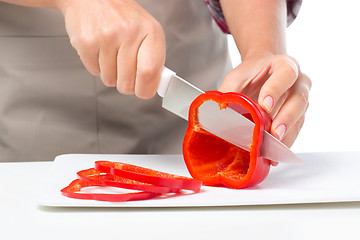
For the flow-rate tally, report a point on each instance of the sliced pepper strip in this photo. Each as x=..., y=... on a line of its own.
x=216, y=161
x=95, y=176
x=148, y=175
x=72, y=191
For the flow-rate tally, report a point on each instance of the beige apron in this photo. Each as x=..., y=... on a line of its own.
x=50, y=105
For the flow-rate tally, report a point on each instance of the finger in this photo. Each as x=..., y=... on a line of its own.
x=126, y=68
x=283, y=77
x=293, y=108
x=293, y=132
x=108, y=65
x=88, y=50
x=234, y=81
x=239, y=79
x=273, y=163
x=150, y=61
x=275, y=110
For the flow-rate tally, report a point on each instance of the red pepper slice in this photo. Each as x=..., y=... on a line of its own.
x=216, y=161
x=148, y=175
x=72, y=191
x=95, y=176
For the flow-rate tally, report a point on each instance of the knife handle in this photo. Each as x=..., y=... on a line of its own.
x=164, y=81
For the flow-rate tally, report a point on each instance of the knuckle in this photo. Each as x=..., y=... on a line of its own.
x=128, y=28
x=307, y=81
x=303, y=98
x=288, y=66
x=126, y=88
x=147, y=72
x=301, y=121
x=306, y=107
x=289, y=119
x=288, y=60
x=145, y=95
x=303, y=94
x=299, y=124
x=274, y=92
x=86, y=43
x=108, y=34
x=153, y=27
x=108, y=81
x=125, y=91
x=290, y=70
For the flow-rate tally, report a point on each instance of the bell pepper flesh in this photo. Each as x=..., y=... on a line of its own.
x=95, y=176
x=148, y=175
x=74, y=188
x=215, y=161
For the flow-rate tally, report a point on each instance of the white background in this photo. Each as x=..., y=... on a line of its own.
x=325, y=39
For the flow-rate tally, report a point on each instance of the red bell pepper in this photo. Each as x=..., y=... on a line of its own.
x=215, y=161
x=152, y=183
x=95, y=176
x=74, y=188
x=148, y=175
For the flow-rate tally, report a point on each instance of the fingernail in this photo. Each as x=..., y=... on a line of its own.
x=268, y=103
x=274, y=164
x=280, y=131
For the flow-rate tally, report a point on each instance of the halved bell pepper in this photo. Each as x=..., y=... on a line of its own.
x=217, y=162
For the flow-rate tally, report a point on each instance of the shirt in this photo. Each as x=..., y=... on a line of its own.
x=50, y=104
x=214, y=6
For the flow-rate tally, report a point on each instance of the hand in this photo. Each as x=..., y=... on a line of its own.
x=278, y=85
x=118, y=40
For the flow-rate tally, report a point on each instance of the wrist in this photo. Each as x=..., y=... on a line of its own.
x=258, y=27
x=260, y=53
x=60, y=5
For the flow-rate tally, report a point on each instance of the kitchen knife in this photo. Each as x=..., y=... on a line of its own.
x=225, y=123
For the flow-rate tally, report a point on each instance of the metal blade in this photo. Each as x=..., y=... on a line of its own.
x=225, y=123
x=238, y=130
x=179, y=96
x=276, y=151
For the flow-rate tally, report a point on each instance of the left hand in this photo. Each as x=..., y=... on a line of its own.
x=278, y=85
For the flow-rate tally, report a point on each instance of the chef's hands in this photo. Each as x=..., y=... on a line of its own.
x=278, y=85
x=118, y=40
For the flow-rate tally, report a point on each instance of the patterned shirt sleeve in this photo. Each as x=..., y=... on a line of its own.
x=293, y=8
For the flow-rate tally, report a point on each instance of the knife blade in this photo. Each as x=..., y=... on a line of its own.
x=225, y=123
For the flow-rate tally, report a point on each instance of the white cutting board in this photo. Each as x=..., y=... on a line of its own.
x=325, y=177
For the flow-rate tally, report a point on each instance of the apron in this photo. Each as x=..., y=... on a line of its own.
x=50, y=105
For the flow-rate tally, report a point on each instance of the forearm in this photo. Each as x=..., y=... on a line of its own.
x=258, y=26
x=34, y=3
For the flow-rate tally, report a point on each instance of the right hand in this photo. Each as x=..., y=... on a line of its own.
x=118, y=40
